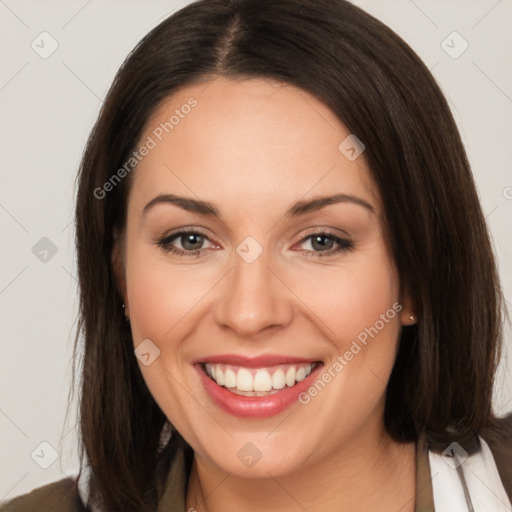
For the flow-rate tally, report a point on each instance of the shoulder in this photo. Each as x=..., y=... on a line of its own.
x=499, y=438
x=60, y=496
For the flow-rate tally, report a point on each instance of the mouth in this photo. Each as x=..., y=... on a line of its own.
x=252, y=389
x=258, y=382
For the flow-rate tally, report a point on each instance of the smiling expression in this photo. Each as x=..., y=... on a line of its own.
x=253, y=256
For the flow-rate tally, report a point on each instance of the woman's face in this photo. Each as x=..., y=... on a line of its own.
x=235, y=263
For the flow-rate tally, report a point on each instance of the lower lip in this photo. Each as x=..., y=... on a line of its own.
x=255, y=406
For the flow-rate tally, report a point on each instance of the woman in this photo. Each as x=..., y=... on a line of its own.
x=288, y=295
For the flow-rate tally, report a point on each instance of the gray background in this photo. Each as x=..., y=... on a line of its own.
x=48, y=106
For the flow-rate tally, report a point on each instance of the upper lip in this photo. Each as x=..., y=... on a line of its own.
x=254, y=362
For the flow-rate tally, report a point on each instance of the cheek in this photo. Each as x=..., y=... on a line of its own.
x=352, y=297
x=357, y=307
x=160, y=294
x=162, y=301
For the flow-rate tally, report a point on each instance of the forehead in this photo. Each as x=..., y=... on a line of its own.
x=251, y=138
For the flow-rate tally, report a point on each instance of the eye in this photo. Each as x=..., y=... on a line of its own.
x=192, y=243
x=324, y=244
x=184, y=243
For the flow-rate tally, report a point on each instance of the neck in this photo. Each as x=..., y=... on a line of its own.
x=373, y=473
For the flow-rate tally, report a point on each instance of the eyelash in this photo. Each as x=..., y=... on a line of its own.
x=343, y=244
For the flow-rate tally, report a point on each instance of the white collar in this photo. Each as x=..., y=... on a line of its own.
x=467, y=483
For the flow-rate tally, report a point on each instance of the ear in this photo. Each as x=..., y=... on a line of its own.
x=119, y=268
x=408, y=314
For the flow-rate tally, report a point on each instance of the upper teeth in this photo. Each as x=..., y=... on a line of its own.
x=261, y=379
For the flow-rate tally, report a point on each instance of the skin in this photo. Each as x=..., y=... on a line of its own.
x=252, y=148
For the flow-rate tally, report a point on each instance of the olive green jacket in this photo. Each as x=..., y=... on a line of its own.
x=62, y=496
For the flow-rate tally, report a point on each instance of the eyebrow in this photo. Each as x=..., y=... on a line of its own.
x=297, y=209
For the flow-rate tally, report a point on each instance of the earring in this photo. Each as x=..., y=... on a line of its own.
x=412, y=318
x=124, y=309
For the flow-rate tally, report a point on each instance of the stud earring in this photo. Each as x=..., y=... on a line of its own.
x=412, y=318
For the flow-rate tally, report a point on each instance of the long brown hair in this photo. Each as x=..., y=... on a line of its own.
x=381, y=91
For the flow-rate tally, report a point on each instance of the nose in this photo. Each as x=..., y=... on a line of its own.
x=253, y=301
